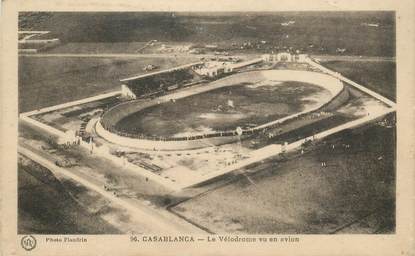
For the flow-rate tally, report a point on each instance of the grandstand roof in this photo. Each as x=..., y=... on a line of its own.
x=160, y=72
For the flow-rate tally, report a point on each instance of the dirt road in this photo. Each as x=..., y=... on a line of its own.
x=159, y=222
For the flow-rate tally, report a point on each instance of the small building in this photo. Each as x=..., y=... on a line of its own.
x=150, y=67
x=213, y=68
x=211, y=46
x=302, y=57
x=68, y=138
x=284, y=56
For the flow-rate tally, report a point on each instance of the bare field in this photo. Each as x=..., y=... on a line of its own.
x=301, y=196
x=379, y=76
x=48, y=81
x=315, y=32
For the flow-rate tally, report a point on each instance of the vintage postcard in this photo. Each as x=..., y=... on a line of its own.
x=207, y=128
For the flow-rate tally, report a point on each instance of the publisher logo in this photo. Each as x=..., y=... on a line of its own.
x=28, y=242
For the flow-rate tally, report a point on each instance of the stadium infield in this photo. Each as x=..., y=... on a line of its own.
x=225, y=109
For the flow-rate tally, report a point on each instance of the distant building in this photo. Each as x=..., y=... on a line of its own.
x=150, y=67
x=211, y=46
x=291, y=22
x=341, y=50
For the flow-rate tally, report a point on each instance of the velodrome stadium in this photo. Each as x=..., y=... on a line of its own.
x=204, y=124
x=231, y=108
x=192, y=123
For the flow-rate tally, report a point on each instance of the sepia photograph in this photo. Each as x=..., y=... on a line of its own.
x=183, y=123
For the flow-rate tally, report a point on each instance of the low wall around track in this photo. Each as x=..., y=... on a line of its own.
x=162, y=145
x=105, y=127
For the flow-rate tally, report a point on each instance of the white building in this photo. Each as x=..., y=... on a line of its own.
x=284, y=57
x=213, y=68
x=68, y=138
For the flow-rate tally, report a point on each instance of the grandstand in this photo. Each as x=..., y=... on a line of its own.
x=159, y=82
